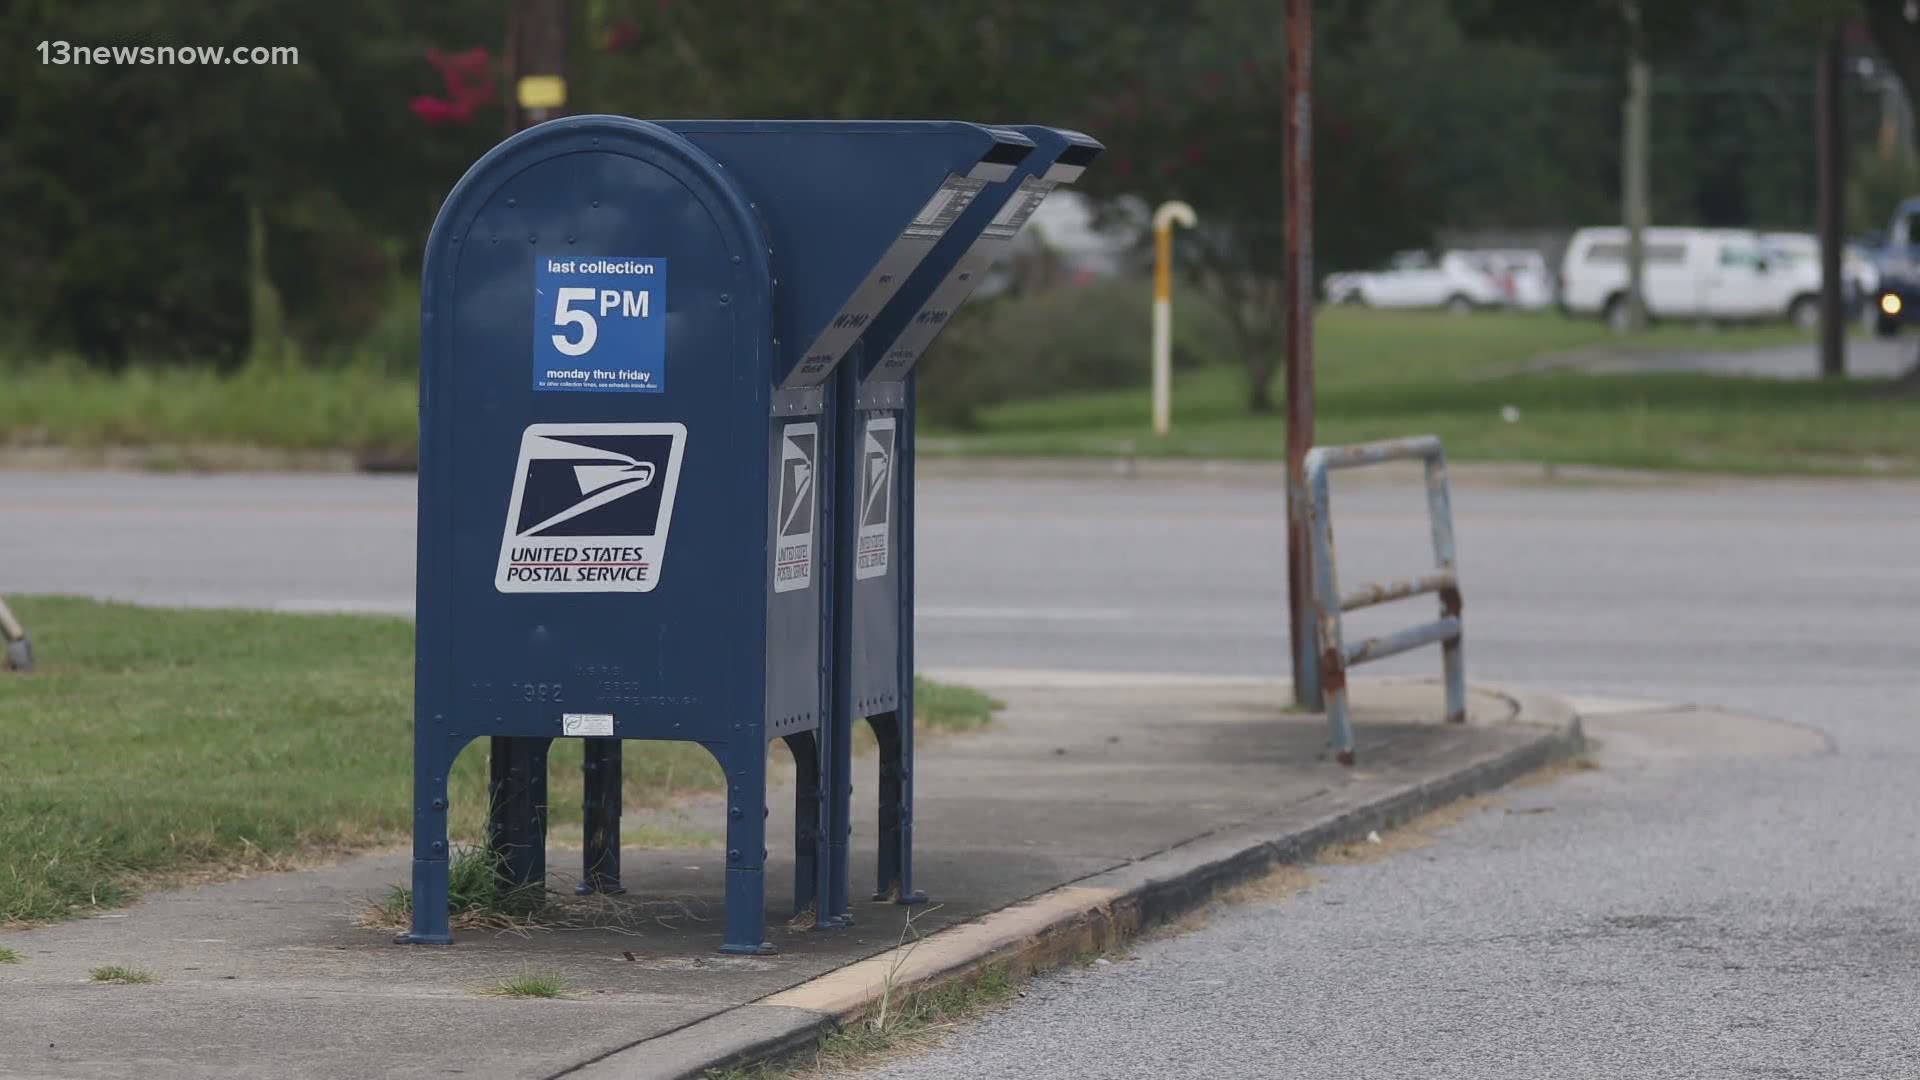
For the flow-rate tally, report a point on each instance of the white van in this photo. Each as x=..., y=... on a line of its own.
x=1690, y=274
x=1859, y=278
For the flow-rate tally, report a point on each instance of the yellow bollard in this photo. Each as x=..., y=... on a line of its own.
x=1165, y=218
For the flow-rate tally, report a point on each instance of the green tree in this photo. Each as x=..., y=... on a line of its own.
x=132, y=187
x=1732, y=109
x=1415, y=125
x=1877, y=184
x=988, y=60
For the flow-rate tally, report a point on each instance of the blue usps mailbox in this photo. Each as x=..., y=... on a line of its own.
x=872, y=198
x=874, y=563
x=623, y=436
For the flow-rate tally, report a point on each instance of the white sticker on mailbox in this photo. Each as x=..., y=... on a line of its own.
x=1019, y=207
x=874, y=546
x=590, y=508
x=795, y=509
x=586, y=724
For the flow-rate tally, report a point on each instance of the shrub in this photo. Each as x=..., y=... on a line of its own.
x=1057, y=341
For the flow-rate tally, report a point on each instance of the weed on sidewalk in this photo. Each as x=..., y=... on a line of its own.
x=530, y=985
x=126, y=976
x=478, y=898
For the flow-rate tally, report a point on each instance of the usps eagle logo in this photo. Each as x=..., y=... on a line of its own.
x=591, y=507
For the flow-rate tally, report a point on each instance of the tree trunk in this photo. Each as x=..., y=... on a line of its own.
x=1259, y=349
x=1251, y=305
x=268, y=347
x=1635, y=118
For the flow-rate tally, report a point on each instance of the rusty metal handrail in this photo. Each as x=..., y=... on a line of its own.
x=18, y=654
x=1329, y=604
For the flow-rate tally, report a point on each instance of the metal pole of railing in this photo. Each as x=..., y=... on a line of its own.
x=1296, y=196
x=1440, y=512
x=1330, y=665
x=1335, y=655
x=19, y=645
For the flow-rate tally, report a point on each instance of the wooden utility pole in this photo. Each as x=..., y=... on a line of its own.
x=517, y=768
x=1297, y=196
x=1830, y=146
x=537, y=88
x=1636, y=119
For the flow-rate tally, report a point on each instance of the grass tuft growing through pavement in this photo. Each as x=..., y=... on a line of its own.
x=946, y=707
x=530, y=985
x=158, y=746
x=8, y=956
x=128, y=976
x=476, y=895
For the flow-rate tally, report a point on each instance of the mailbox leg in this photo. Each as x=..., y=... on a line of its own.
x=428, y=923
x=745, y=763
x=841, y=518
x=895, y=864
x=886, y=733
x=517, y=815
x=896, y=797
x=837, y=823
x=809, y=834
x=600, y=862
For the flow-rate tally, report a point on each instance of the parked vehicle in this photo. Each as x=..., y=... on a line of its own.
x=1521, y=273
x=1869, y=251
x=1862, y=263
x=1897, y=291
x=1415, y=279
x=1799, y=254
x=1725, y=274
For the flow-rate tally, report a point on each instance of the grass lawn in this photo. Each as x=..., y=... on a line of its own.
x=1379, y=374
x=68, y=405
x=157, y=746
x=1386, y=374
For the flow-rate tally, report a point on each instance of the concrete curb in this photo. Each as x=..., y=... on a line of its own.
x=1048, y=930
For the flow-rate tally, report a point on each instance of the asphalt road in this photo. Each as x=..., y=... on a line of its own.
x=1691, y=591
x=1722, y=898
x=1719, y=899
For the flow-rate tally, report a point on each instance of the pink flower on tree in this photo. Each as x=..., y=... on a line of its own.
x=623, y=34
x=469, y=80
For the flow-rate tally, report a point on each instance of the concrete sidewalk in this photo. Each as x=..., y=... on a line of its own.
x=1094, y=804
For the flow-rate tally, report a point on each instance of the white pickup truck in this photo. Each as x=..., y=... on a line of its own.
x=1415, y=279
x=1690, y=274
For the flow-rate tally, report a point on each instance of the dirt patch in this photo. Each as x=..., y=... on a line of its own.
x=1409, y=836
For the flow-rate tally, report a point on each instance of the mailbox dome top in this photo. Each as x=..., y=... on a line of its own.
x=603, y=134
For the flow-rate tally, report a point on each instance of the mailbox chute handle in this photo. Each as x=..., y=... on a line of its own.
x=1009, y=149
